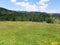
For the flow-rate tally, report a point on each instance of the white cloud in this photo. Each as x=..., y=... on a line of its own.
x=32, y=7
x=53, y=11
x=27, y=6
x=14, y=1
x=43, y=4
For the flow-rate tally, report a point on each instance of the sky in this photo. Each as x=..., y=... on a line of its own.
x=50, y=6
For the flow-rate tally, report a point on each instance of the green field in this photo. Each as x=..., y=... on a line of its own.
x=29, y=33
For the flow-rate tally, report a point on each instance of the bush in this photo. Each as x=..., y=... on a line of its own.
x=50, y=20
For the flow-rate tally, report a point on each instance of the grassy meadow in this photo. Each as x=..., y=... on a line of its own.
x=29, y=33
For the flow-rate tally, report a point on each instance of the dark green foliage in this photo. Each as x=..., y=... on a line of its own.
x=49, y=20
x=7, y=15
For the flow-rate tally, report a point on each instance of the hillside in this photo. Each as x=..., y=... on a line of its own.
x=9, y=15
x=25, y=28
x=25, y=12
x=57, y=15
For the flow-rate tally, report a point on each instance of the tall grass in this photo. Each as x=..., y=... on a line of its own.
x=29, y=33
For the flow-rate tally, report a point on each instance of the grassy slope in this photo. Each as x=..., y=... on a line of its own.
x=29, y=33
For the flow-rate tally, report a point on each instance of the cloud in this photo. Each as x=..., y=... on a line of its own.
x=27, y=6
x=32, y=7
x=53, y=11
x=43, y=4
x=14, y=1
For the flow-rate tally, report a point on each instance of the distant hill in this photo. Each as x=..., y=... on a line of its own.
x=56, y=14
x=36, y=13
x=12, y=11
x=11, y=15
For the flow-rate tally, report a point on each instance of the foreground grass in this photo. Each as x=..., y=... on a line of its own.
x=29, y=33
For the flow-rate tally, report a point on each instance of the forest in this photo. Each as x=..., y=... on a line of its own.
x=10, y=15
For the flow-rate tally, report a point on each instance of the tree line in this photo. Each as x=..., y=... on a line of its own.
x=8, y=15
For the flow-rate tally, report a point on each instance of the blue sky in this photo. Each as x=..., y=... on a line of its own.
x=51, y=6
